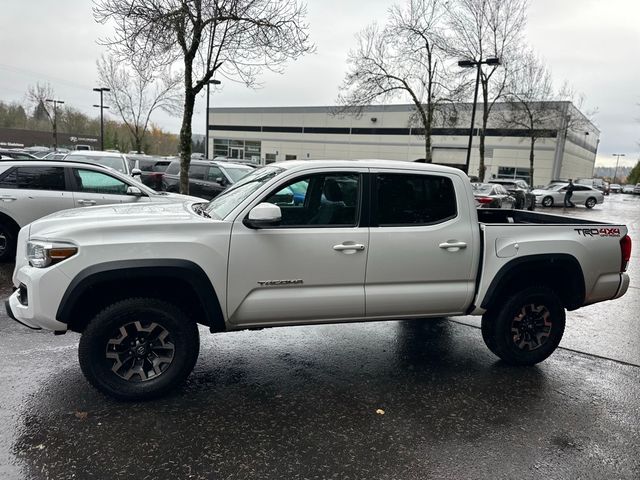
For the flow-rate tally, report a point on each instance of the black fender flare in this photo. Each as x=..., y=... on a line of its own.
x=163, y=268
x=512, y=269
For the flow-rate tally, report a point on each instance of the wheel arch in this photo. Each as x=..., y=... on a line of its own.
x=560, y=272
x=183, y=281
x=10, y=222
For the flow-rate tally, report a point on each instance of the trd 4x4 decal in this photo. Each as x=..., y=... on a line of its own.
x=598, y=232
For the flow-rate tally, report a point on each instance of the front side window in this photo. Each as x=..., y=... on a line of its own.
x=411, y=200
x=329, y=199
x=90, y=181
x=214, y=174
x=40, y=178
x=173, y=169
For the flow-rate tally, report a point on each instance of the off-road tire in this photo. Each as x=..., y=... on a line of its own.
x=501, y=327
x=134, y=315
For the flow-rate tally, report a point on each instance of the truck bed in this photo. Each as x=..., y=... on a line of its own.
x=523, y=217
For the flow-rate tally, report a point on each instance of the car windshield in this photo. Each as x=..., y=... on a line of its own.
x=222, y=205
x=236, y=173
x=114, y=162
x=554, y=187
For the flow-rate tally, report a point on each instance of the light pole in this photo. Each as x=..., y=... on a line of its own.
x=615, y=174
x=55, y=121
x=478, y=64
x=102, y=107
x=206, y=118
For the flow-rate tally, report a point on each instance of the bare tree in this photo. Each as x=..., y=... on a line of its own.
x=529, y=103
x=405, y=58
x=39, y=96
x=484, y=29
x=136, y=92
x=237, y=39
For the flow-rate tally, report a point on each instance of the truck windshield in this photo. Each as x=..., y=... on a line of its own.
x=224, y=203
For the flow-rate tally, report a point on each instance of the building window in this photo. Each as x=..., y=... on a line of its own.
x=237, y=149
x=270, y=157
x=513, y=173
x=290, y=157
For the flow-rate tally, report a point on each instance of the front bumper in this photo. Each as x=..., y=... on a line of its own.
x=44, y=288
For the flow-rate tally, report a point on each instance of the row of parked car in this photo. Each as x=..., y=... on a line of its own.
x=507, y=193
x=31, y=188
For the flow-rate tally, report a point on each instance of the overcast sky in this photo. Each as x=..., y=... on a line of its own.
x=593, y=44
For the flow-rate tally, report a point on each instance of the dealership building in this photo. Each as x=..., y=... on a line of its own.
x=565, y=148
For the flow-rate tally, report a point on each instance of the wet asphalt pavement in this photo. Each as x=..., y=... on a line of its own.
x=301, y=402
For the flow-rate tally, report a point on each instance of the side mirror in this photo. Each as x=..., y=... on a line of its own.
x=135, y=191
x=136, y=172
x=221, y=181
x=263, y=215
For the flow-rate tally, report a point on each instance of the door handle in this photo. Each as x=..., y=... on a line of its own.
x=7, y=198
x=453, y=246
x=358, y=247
x=87, y=202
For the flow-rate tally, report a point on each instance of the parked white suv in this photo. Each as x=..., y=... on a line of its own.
x=116, y=161
x=32, y=189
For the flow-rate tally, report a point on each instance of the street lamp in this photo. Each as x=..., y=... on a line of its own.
x=615, y=174
x=55, y=121
x=494, y=61
x=102, y=107
x=206, y=123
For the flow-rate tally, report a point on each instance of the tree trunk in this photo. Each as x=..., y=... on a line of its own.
x=531, y=157
x=428, y=158
x=185, y=141
x=138, y=146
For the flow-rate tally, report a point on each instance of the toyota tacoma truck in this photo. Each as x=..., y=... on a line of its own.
x=303, y=243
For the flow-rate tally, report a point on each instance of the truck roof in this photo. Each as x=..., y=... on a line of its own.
x=367, y=163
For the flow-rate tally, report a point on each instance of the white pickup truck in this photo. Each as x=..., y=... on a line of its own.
x=303, y=243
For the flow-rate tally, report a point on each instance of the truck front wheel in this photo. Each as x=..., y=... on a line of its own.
x=527, y=328
x=138, y=348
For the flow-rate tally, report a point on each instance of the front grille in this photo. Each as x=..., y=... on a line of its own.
x=23, y=298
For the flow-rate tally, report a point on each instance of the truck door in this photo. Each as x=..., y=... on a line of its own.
x=422, y=258
x=309, y=268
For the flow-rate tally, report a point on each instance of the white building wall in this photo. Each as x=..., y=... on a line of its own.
x=501, y=151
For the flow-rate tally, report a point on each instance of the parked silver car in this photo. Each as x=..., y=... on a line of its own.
x=554, y=195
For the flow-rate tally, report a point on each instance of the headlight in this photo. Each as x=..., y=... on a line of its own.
x=43, y=254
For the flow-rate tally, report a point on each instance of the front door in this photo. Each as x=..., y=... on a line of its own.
x=99, y=188
x=311, y=267
x=236, y=153
x=421, y=247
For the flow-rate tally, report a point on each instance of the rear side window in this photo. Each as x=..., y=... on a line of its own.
x=414, y=199
x=198, y=172
x=35, y=178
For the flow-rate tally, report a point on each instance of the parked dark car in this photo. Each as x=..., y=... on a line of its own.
x=491, y=195
x=152, y=169
x=520, y=190
x=206, y=178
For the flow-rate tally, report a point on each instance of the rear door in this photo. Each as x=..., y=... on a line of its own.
x=29, y=193
x=93, y=187
x=422, y=256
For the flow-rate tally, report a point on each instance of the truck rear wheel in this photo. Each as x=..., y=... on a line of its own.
x=138, y=348
x=528, y=327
